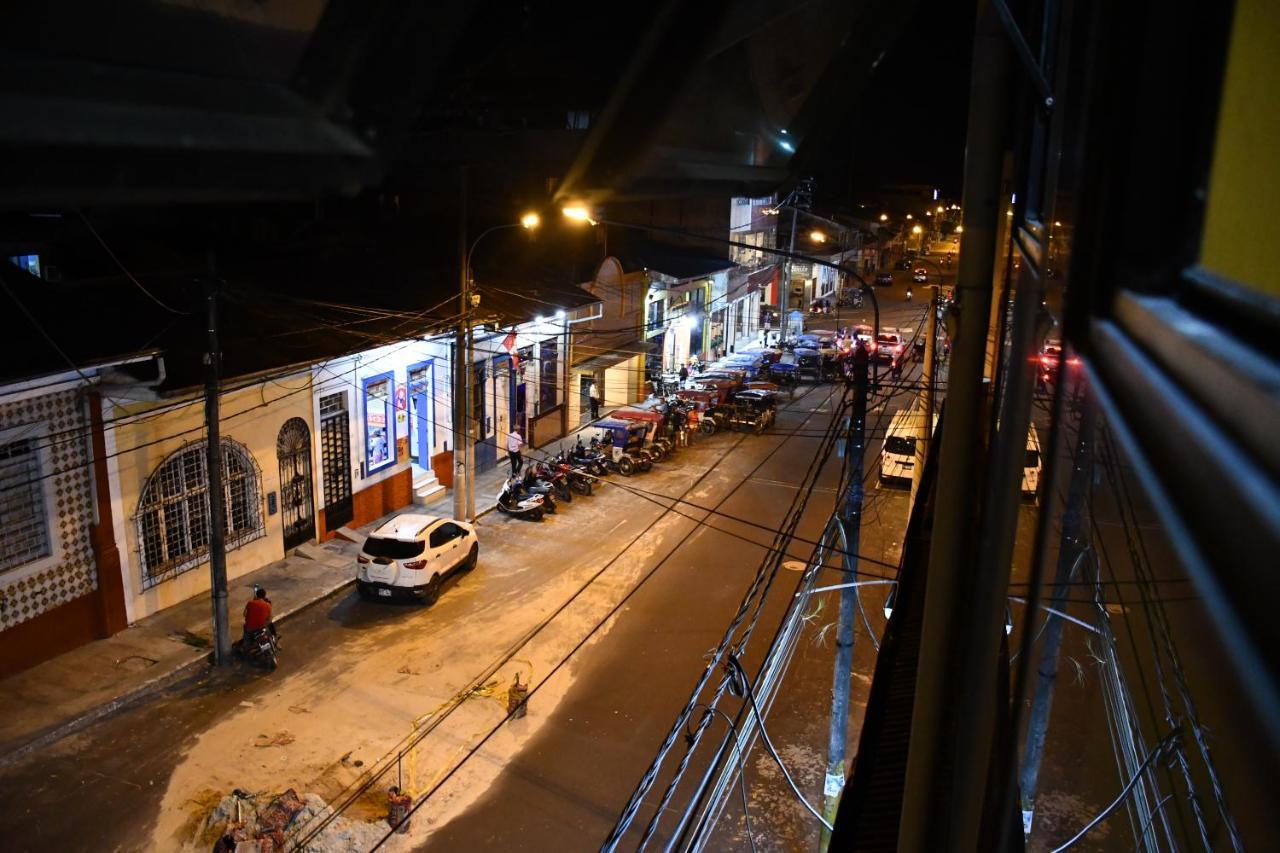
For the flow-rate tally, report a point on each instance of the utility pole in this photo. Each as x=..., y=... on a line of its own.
x=801, y=197
x=1070, y=547
x=851, y=527
x=461, y=363
x=213, y=462
x=928, y=373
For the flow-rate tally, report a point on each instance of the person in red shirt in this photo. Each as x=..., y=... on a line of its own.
x=257, y=613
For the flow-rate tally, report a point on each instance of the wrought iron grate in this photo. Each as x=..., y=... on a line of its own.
x=173, y=515
x=24, y=527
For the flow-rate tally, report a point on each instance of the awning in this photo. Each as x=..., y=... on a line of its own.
x=616, y=356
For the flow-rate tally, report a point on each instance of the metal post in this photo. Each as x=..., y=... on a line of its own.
x=928, y=372
x=213, y=463
x=461, y=380
x=925, y=821
x=473, y=428
x=1069, y=551
x=851, y=527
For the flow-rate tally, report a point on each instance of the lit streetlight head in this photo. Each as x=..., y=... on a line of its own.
x=908, y=216
x=817, y=236
x=940, y=208
x=959, y=229
x=530, y=220
x=916, y=229
x=884, y=217
x=578, y=213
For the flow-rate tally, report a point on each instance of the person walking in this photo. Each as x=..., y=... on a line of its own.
x=515, y=441
x=684, y=375
x=593, y=394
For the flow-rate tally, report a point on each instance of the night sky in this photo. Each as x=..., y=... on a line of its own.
x=908, y=125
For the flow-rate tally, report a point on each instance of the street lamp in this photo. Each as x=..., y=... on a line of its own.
x=884, y=217
x=530, y=221
x=916, y=229
x=578, y=213
x=908, y=216
x=959, y=229
x=817, y=236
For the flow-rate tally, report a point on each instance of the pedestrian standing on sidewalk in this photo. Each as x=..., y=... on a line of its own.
x=515, y=441
x=593, y=394
x=684, y=375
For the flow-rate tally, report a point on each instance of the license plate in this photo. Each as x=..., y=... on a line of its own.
x=385, y=593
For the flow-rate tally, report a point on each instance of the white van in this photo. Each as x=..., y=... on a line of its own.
x=898, y=456
x=1031, y=465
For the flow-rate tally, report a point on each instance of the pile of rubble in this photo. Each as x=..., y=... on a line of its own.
x=251, y=823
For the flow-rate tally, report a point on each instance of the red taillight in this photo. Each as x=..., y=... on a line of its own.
x=1046, y=361
x=362, y=559
x=415, y=565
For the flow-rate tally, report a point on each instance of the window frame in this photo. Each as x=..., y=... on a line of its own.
x=39, y=433
x=197, y=554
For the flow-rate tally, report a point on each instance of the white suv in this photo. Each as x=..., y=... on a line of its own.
x=410, y=556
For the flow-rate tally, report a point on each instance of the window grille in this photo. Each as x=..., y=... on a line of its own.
x=24, y=527
x=173, y=514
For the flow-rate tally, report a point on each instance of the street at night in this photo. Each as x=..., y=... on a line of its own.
x=562, y=426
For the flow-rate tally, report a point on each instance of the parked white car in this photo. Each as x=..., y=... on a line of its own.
x=411, y=555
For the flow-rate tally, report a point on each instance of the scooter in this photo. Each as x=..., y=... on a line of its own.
x=533, y=485
x=513, y=501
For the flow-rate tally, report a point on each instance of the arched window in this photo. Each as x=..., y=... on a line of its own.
x=173, y=513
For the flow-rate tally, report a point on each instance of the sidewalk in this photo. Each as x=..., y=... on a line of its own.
x=62, y=695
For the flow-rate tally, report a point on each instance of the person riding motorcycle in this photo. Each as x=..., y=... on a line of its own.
x=257, y=615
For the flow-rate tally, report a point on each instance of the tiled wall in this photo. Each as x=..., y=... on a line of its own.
x=65, y=462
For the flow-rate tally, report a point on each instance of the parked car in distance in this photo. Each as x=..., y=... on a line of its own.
x=920, y=276
x=885, y=278
x=904, y=264
x=411, y=555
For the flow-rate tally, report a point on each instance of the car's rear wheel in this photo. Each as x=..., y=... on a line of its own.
x=473, y=556
x=432, y=593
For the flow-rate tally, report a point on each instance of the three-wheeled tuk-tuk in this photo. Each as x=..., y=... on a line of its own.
x=787, y=375
x=705, y=414
x=808, y=364
x=760, y=401
x=657, y=440
x=623, y=444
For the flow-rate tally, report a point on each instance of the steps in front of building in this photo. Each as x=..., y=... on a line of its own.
x=426, y=488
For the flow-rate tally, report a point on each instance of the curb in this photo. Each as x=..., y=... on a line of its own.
x=181, y=672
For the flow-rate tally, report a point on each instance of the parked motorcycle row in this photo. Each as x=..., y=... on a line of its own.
x=734, y=394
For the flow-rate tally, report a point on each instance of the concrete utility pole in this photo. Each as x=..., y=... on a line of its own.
x=928, y=374
x=851, y=527
x=1070, y=547
x=936, y=812
x=461, y=363
x=213, y=462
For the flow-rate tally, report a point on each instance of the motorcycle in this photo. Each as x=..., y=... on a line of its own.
x=532, y=484
x=592, y=460
x=557, y=478
x=260, y=647
x=578, y=478
x=513, y=501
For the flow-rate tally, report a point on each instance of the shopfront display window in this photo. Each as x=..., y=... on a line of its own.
x=379, y=422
